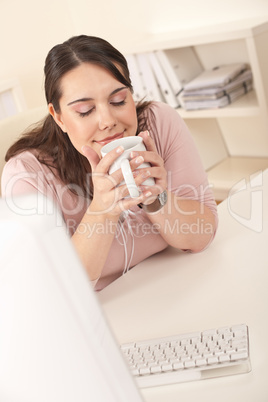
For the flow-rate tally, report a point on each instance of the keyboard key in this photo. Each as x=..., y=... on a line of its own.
x=201, y=362
x=167, y=367
x=239, y=355
x=189, y=363
x=156, y=369
x=178, y=365
x=212, y=360
x=224, y=358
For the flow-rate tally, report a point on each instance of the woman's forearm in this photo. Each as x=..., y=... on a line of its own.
x=185, y=224
x=93, y=239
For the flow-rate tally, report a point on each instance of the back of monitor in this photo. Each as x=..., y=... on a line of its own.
x=55, y=344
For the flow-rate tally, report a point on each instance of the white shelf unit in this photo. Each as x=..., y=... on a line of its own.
x=232, y=141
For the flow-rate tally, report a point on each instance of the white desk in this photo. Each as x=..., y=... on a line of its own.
x=227, y=284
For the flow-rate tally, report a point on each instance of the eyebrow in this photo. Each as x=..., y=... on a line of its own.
x=89, y=99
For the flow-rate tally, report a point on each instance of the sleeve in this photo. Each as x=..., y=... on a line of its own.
x=186, y=175
x=24, y=174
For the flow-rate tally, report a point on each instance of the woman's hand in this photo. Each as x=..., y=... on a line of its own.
x=157, y=170
x=181, y=221
x=109, y=197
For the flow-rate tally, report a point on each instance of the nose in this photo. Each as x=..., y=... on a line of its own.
x=107, y=119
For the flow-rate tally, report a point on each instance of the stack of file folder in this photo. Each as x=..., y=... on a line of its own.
x=217, y=88
x=160, y=75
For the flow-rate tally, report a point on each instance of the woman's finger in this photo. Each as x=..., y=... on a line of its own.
x=148, y=141
x=149, y=156
x=107, y=160
x=102, y=165
x=91, y=156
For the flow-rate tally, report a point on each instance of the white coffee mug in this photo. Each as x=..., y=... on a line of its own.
x=122, y=162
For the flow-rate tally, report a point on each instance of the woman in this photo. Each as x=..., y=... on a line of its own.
x=90, y=103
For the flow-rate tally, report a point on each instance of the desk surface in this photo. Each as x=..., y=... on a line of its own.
x=174, y=292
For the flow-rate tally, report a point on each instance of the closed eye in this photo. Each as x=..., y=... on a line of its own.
x=88, y=112
x=84, y=114
x=121, y=103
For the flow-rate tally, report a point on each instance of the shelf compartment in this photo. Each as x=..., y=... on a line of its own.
x=247, y=105
x=226, y=174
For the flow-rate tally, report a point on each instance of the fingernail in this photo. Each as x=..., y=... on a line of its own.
x=139, y=159
x=146, y=133
x=119, y=149
x=148, y=193
x=133, y=154
x=146, y=174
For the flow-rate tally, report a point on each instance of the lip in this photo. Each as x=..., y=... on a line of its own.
x=111, y=138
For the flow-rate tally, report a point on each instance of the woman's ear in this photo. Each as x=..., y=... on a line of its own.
x=57, y=117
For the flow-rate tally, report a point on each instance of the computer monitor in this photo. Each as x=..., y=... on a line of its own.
x=55, y=343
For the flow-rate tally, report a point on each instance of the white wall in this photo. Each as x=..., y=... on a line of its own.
x=29, y=28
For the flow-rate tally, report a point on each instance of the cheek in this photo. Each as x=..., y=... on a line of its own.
x=77, y=129
x=78, y=134
x=68, y=124
x=131, y=117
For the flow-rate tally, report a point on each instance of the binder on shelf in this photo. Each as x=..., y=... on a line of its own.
x=164, y=85
x=173, y=79
x=151, y=86
x=135, y=76
x=218, y=102
x=217, y=77
x=218, y=96
x=184, y=63
x=243, y=79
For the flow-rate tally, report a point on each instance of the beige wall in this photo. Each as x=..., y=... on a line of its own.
x=29, y=28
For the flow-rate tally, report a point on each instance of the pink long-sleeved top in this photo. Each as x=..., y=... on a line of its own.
x=136, y=238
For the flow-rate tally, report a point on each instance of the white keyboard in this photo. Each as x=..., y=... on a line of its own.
x=187, y=357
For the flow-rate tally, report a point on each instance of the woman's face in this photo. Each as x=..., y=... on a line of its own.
x=95, y=108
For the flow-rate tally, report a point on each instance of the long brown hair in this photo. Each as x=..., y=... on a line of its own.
x=53, y=147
